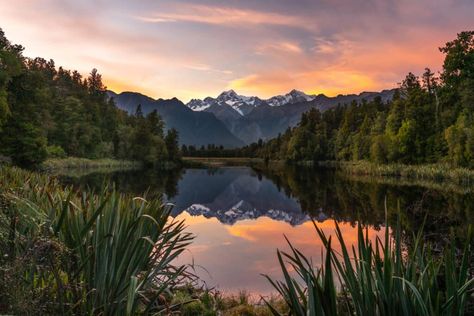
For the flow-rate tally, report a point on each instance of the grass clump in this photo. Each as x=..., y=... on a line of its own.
x=384, y=278
x=74, y=253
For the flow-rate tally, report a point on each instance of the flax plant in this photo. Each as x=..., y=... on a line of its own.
x=96, y=254
x=381, y=278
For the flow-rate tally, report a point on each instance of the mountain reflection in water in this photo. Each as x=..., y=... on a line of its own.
x=234, y=194
x=239, y=215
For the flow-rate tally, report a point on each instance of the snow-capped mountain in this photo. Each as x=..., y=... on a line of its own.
x=239, y=103
x=244, y=105
x=294, y=96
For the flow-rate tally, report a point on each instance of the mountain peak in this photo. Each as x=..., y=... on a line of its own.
x=298, y=92
x=228, y=94
x=227, y=100
x=294, y=96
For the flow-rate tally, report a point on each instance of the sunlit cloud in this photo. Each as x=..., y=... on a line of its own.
x=208, y=68
x=222, y=16
x=286, y=47
x=192, y=49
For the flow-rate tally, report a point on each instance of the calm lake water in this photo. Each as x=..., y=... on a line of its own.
x=240, y=216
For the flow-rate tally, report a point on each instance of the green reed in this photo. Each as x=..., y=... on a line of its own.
x=71, y=252
x=436, y=172
x=381, y=278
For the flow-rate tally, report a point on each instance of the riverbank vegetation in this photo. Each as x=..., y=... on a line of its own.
x=434, y=172
x=50, y=112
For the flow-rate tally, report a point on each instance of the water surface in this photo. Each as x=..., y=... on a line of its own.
x=240, y=216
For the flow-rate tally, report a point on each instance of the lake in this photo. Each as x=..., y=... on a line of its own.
x=240, y=215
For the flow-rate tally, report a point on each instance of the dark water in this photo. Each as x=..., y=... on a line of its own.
x=239, y=215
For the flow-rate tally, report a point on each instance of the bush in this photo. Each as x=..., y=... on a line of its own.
x=55, y=151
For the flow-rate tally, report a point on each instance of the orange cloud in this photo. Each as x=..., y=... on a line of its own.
x=286, y=47
x=222, y=16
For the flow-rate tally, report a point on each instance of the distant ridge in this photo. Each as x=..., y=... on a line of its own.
x=194, y=128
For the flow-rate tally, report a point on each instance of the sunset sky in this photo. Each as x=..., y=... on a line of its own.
x=197, y=48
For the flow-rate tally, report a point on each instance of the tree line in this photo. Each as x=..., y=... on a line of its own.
x=430, y=119
x=47, y=111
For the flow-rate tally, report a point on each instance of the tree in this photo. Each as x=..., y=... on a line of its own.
x=11, y=65
x=172, y=144
x=155, y=123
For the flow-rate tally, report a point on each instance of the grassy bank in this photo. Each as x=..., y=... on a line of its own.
x=436, y=172
x=84, y=163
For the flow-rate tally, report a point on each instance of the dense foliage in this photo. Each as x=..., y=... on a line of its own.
x=47, y=111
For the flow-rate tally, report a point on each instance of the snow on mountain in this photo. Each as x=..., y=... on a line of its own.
x=294, y=96
x=230, y=101
x=243, y=104
x=239, y=103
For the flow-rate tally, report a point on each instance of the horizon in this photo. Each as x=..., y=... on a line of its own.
x=194, y=49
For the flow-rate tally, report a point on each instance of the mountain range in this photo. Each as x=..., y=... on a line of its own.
x=233, y=120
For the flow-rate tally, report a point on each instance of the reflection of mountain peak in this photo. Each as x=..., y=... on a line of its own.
x=243, y=210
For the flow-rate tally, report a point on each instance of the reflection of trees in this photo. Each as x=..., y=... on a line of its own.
x=350, y=200
x=155, y=182
x=331, y=194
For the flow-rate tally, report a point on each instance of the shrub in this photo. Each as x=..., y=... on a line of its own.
x=55, y=151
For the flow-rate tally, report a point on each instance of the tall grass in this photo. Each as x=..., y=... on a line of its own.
x=71, y=252
x=384, y=278
x=54, y=164
x=437, y=172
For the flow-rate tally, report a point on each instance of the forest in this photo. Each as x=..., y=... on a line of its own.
x=429, y=120
x=50, y=112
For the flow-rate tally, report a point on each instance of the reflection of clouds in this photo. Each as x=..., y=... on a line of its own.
x=198, y=248
x=237, y=255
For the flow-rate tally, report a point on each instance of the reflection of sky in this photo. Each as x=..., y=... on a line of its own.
x=235, y=256
x=196, y=48
x=233, y=214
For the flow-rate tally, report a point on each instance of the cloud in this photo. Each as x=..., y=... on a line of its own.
x=222, y=16
x=195, y=48
x=207, y=68
x=285, y=46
